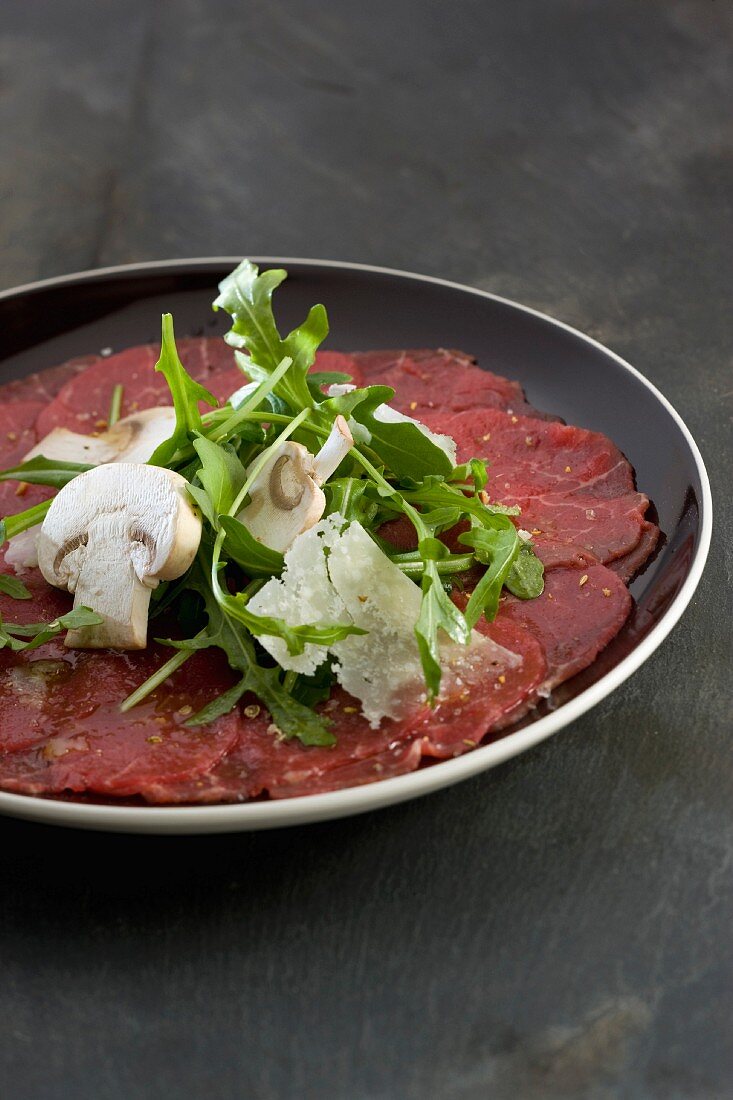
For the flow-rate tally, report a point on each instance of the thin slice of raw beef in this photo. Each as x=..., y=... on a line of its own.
x=486, y=698
x=628, y=566
x=427, y=379
x=44, y=385
x=62, y=729
x=572, y=485
x=576, y=616
x=527, y=456
x=82, y=403
x=17, y=430
x=17, y=436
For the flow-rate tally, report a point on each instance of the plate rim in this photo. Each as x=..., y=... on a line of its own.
x=304, y=809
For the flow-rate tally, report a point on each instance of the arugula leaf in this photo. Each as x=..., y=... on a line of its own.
x=40, y=633
x=186, y=394
x=435, y=491
x=311, y=690
x=437, y=613
x=11, y=586
x=202, y=499
x=349, y=496
x=474, y=470
x=345, y=403
x=329, y=378
x=402, y=447
x=236, y=422
x=254, y=558
x=115, y=405
x=22, y=521
x=45, y=471
x=246, y=295
x=526, y=578
x=318, y=378
x=220, y=706
x=221, y=474
x=291, y=717
x=296, y=638
x=497, y=545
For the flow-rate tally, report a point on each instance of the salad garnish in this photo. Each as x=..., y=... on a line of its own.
x=393, y=468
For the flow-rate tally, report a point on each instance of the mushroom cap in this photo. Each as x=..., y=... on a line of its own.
x=145, y=506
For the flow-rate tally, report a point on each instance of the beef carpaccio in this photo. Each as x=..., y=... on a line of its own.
x=61, y=730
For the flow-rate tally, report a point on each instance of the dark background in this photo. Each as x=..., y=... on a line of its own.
x=559, y=927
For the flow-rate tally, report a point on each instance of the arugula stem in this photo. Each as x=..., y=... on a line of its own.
x=289, y=680
x=22, y=521
x=412, y=513
x=115, y=407
x=256, y=469
x=253, y=401
x=414, y=566
x=179, y=658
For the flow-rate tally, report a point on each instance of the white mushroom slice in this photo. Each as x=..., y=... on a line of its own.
x=110, y=536
x=132, y=439
x=286, y=496
x=63, y=445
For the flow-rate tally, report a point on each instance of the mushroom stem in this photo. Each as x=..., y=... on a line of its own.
x=333, y=451
x=107, y=581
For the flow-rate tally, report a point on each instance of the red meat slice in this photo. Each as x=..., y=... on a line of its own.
x=17, y=431
x=262, y=762
x=85, y=744
x=44, y=385
x=629, y=565
x=572, y=485
x=527, y=456
x=608, y=529
x=491, y=703
x=553, y=554
x=425, y=379
x=82, y=403
x=577, y=615
x=17, y=436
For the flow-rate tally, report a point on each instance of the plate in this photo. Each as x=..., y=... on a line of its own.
x=563, y=372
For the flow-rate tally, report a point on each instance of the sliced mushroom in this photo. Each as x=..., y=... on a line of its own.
x=132, y=439
x=286, y=497
x=110, y=536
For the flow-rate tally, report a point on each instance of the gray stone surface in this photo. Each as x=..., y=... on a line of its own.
x=559, y=927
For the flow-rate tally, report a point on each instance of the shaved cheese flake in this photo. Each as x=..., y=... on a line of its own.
x=333, y=575
x=303, y=596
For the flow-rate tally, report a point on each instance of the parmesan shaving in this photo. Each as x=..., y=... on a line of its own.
x=341, y=576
